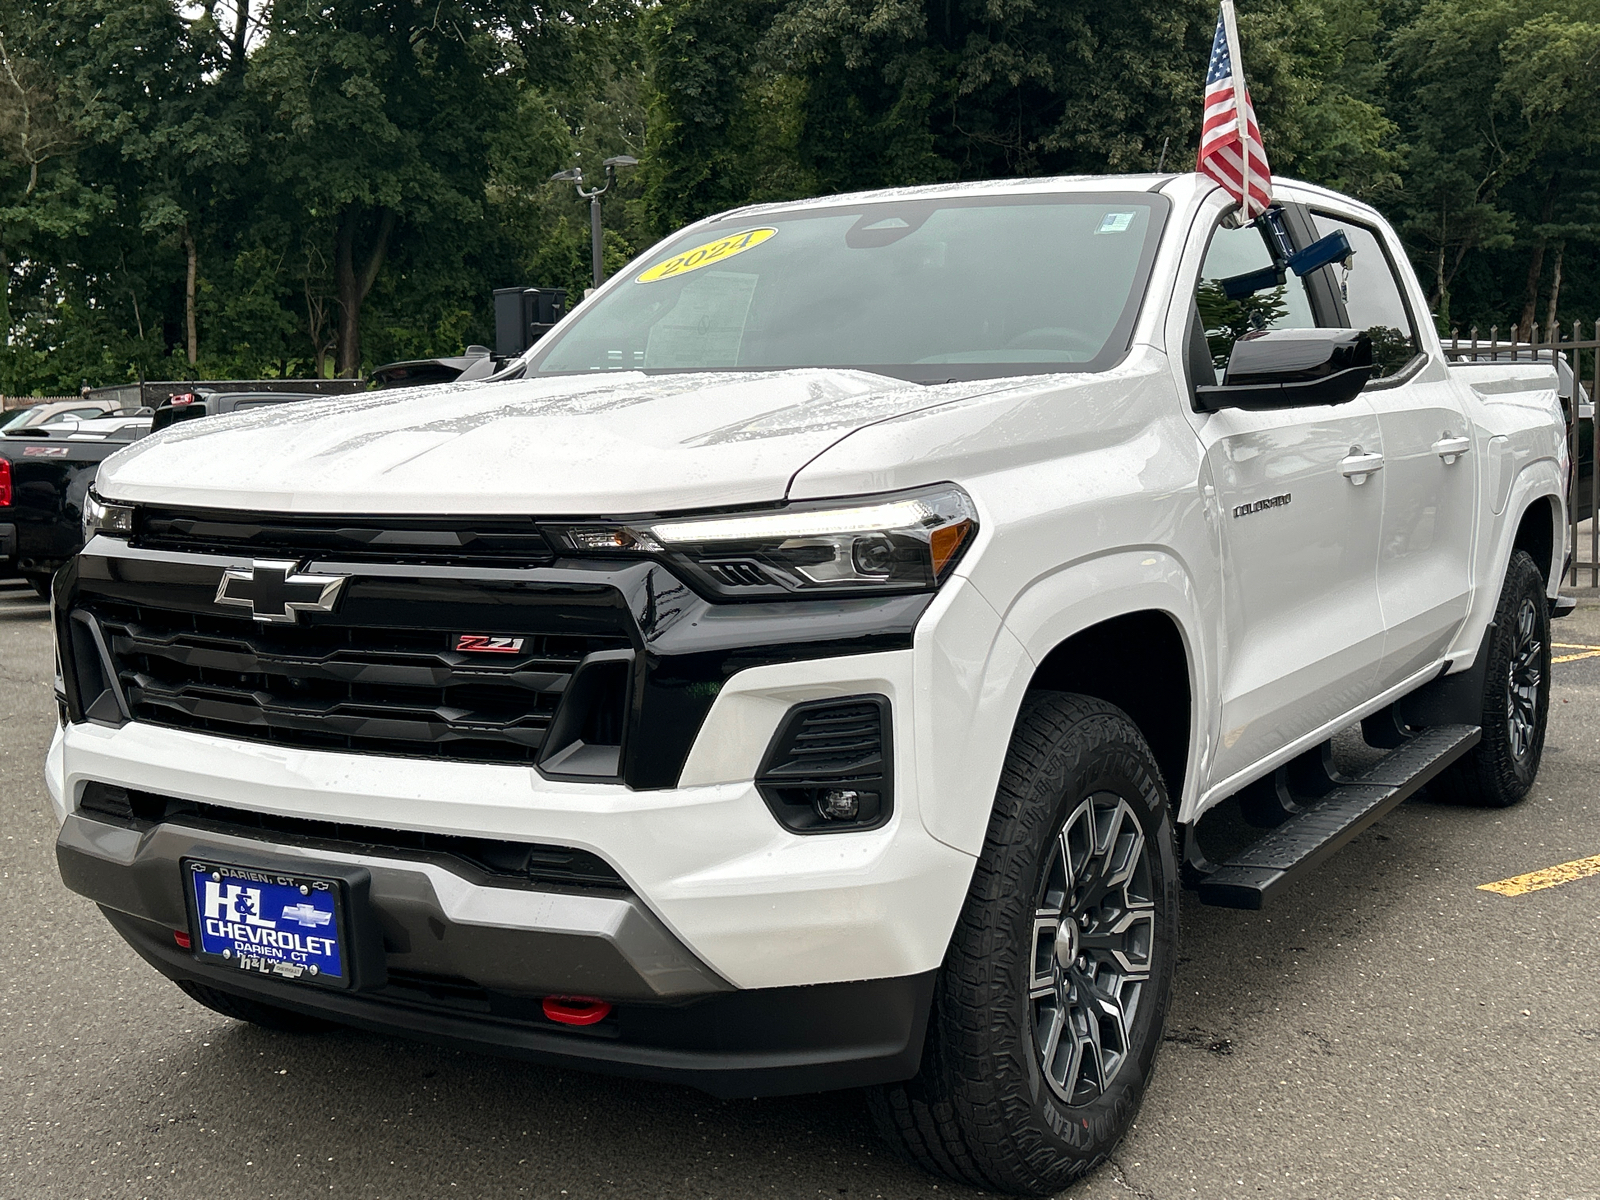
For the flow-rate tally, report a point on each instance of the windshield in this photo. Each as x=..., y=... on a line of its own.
x=929, y=290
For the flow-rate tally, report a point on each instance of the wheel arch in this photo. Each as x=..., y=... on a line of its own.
x=1125, y=627
x=1138, y=661
x=1539, y=532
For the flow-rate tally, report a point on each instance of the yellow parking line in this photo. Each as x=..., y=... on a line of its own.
x=1533, y=881
x=1585, y=651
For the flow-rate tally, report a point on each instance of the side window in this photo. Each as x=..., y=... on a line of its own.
x=1373, y=296
x=1239, y=252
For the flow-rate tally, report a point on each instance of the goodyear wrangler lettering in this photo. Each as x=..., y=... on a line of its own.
x=705, y=255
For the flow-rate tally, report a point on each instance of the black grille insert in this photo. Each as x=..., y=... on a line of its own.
x=505, y=541
x=500, y=862
x=371, y=689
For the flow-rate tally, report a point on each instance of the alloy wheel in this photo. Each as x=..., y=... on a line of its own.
x=1093, y=934
x=1523, y=679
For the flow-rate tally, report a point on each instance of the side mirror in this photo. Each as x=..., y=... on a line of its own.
x=1291, y=368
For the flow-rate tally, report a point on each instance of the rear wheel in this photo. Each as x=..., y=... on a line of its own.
x=1054, y=992
x=268, y=1016
x=1516, y=696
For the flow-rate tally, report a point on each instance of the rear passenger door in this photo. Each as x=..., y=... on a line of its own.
x=1429, y=460
x=1302, y=629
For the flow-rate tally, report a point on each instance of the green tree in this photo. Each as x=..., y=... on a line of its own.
x=381, y=117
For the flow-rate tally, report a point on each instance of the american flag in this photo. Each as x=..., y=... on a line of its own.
x=1238, y=163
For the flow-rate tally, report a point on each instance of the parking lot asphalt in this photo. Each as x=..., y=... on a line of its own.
x=1389, y=1030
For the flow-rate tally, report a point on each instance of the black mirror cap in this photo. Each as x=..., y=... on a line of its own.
x=1290, y=368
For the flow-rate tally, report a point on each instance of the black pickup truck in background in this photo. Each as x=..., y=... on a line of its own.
x=45, y=473
x=206, y=402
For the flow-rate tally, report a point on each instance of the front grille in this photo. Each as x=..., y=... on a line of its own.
x=500, y=862
x=372, y=689
x=459, y=541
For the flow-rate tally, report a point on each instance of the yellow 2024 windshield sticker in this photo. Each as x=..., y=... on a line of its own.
x=703, y=256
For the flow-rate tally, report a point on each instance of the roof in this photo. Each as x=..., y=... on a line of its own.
x=1045, y=185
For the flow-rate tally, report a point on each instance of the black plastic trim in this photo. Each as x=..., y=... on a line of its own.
x=487, y=861
x=685, y=647
x=755, y=1042
x=785, y=778
x=1448, y=699
x=515, y=541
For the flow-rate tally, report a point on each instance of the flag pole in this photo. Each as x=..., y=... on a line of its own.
x=1230, y=26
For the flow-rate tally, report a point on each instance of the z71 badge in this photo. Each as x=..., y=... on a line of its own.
x=483, y=643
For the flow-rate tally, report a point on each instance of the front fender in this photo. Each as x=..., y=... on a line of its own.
x=1048, y=611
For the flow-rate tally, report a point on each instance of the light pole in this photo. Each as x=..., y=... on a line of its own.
x=575, y=176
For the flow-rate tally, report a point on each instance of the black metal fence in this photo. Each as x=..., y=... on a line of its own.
x=1579, y=385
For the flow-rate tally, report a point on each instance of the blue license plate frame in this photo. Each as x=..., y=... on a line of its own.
x=270, y=923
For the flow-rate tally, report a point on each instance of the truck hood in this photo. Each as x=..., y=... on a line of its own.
x=567, y=445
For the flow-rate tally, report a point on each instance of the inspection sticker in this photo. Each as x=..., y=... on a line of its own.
x=711, y=252
x=1115, y=223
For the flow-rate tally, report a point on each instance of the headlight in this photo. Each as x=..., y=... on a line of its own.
x=100, y=517
x=901, y=542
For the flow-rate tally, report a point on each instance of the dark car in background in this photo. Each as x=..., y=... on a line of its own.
x=45, y=473
x=205, y=402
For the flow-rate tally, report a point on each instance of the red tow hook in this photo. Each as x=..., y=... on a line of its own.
x=576, y=1010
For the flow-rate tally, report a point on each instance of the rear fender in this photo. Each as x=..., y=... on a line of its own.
x=1538, y=483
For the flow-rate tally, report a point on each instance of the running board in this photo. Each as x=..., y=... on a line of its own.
x=1329, y=824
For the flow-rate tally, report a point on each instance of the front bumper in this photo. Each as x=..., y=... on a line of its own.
x=435, y=923
x=768, y=1042
x=756, y=904
x=743, y=957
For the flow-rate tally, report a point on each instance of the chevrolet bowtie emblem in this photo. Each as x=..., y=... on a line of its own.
x=273, y=591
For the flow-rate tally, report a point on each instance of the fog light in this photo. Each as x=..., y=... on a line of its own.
x=839, y=805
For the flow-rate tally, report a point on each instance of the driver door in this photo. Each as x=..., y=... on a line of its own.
x=1302, y=634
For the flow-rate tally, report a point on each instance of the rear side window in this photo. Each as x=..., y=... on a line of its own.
x=1374, y=297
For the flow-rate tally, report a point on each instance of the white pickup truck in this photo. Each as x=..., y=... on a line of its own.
x=815, y=663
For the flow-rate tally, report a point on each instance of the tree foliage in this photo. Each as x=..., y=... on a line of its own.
x=282, y=187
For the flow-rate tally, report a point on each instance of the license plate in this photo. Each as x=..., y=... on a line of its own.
x=288, y=926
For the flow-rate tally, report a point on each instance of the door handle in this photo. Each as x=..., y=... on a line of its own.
x=1357, y=466
x=1451, y=448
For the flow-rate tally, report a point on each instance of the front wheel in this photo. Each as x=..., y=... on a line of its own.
x=1054, y=993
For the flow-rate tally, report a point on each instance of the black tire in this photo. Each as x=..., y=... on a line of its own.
x=981, y=1110
x=1516, y=697
x=40, y=585
x=240, y=1008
